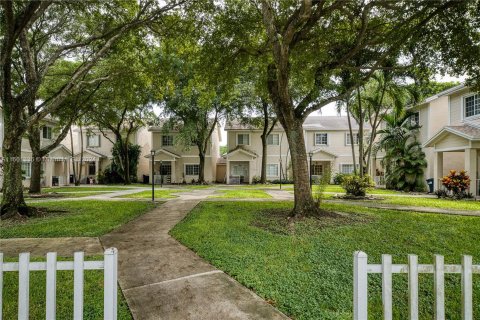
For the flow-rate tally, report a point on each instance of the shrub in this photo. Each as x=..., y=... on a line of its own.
x=338, y=178
x=256, y=180
x=457, y=184
x=284, y=181
x=357, y=186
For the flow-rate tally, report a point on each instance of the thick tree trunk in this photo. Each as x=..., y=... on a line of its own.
x=201, y=168
x=263, y=175
x=73, y=158
x=35, y=176
x=126, y=170
x=352, y=141
x=304, y=202
x=13, y=203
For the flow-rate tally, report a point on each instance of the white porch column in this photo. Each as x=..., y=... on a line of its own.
x=437, y=169
x=227, y=172
x=97, y=168
x=172, y=176
x=471, y=167
x=373, y=168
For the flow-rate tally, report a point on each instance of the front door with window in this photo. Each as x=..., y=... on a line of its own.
x=239, y=172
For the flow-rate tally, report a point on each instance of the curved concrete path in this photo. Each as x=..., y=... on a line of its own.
x=162, y=279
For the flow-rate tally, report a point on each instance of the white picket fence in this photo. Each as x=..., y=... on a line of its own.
x=51, y=265
x=413, y=269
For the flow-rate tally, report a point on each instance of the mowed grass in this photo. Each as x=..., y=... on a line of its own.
x=306, y=271
x=433, y=203
x=75, y=219
x=94, y=188
x=93, y=295
x=159, y=194
x=240, y=194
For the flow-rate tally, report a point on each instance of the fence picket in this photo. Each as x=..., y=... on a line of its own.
x=51, y=293
x=467, y=305
x=110, y=284
x=413, y=286
x=1, y=285
x=78, y=285
x=23, y=285
x=387, y=286
x=360, y=289
x=439, y=287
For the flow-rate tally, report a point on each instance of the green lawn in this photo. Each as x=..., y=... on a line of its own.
x=93, y=295
x=306, y=270
x=75, y=219
x=83, y=188
x=159, y=194
x=339, y=189
x=432, y=202
x=240, y=194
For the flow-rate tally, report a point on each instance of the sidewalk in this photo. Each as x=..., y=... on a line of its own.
x=162, y=279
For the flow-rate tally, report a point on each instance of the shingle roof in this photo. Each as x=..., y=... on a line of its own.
x=466, y=130
x=311, y=123
x=243, y=148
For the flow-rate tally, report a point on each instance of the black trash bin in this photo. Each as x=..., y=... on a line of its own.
x=146, y=179
x=430, y=185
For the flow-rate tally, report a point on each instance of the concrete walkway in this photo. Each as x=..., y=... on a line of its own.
x=38, y=247
x=162, y=279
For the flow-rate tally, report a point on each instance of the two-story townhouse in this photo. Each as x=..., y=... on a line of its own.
x=327, y=139
x=176, y=163
x=97, y=150
x=450, y=133
x=55, y=165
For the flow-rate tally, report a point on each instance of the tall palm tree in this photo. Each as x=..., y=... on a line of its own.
x=404, y=160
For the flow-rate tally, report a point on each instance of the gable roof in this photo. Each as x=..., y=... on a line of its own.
x=324, y=151
x=242, y=149
x=161, y=150
x=466, y=131
x=93, y=153
x=321, y=123
x=60, y=146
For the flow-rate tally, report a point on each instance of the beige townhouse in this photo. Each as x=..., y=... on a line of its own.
x=55, y=166
x=450, y=133
x=327, y=139
x=175, y=162
x=97, y=150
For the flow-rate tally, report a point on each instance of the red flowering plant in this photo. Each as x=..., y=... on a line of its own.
x=457, y=183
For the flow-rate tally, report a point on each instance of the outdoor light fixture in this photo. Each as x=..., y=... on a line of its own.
x=152, y=153
x=310, y=154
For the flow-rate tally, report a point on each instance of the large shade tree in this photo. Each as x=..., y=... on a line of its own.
x=35, y=35
x=319, y=52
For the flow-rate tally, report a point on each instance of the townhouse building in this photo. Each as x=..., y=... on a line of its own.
x=55, y=165
x=450, y=133
x=93, y=149
x=175, y=162
x=327, y=138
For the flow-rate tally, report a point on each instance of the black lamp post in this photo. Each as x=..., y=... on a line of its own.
x=152, y=153
x=310, y=154
x=161, y=175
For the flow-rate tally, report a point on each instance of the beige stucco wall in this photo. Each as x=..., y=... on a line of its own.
x=144, y=139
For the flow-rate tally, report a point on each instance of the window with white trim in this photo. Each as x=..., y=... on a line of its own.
x=243, y=139
x=415, y=119
x=321, y=139
x=167, y=141
x=348, y=140
x=93, y=140
x=47, y=133
x=346, y=168
x=26, y=169
x=317, y=169
x=273, y=139
x=192, y=169
x=472, y=105
x=272, y=170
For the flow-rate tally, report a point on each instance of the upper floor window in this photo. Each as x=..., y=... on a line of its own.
x=192, y=169
x=415, y=119
x=321, y=139
x=243, y=138
x=167, y=141
x=93, y=140
x=47, y=133
x=273, y=139
x=272, y=170
x=472, y=105
x=348, y=139
x=26, y=169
